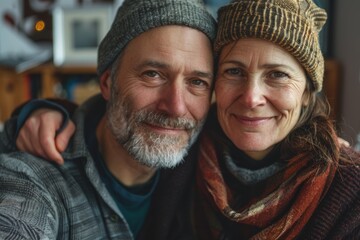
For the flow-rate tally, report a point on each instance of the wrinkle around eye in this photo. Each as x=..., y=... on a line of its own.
x=152, y=78
x=202, y=89
x=233, y=75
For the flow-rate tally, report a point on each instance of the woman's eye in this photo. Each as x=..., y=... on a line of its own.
x=278, y=75
x=235, y=72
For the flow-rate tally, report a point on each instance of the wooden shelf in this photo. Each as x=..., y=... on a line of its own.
x=332, y=86
x=12, y=92
x=14, y=89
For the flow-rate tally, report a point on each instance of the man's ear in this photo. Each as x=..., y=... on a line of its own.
x=105, y=84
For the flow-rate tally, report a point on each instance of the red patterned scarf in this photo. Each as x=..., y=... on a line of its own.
x=282, y=208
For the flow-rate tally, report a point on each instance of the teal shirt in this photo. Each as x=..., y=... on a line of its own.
x=133, y=202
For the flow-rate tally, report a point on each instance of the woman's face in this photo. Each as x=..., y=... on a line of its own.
x=260, y=90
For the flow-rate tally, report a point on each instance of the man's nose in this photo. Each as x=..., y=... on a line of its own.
x=173, y=100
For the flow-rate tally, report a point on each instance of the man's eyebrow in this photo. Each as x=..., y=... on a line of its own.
x=204, y=74
x=153, y=63
x=162, y=65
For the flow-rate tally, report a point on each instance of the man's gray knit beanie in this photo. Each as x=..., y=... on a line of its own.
x=137, y=16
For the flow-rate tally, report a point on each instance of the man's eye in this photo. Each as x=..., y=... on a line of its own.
x=199, y=82
x=151, y=74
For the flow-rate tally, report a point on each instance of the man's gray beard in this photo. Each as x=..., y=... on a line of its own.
x=149, y=148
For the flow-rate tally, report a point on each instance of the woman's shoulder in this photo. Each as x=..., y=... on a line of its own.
x=345, y=186
x=349, y=159
x=339, y=212
x=349, y=167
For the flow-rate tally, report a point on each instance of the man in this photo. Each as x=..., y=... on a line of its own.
x=123, y=176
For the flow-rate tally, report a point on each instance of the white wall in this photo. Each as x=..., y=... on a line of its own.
x=346, y=49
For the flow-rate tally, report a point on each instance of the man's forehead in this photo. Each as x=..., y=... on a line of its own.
x=169, y=42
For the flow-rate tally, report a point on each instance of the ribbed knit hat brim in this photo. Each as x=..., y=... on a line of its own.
x=137, y=16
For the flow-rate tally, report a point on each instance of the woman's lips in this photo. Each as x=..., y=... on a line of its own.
x=252, y=121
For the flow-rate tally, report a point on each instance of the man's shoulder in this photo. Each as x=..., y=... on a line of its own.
x=49, y=199
x=22, y=165
x=18, y=160
x=20, y=171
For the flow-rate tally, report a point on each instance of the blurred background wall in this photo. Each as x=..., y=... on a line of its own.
x=346, y=49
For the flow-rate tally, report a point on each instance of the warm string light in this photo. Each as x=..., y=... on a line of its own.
x=40, y=25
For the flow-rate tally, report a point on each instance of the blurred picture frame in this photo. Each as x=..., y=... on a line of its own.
x=77, y=33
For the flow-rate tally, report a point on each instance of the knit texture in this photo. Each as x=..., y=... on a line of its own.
x=137, y=16
x=338, y=216
x=301, y=184
x=292, y=24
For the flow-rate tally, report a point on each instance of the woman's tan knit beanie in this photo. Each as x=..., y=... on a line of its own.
x=292, y=24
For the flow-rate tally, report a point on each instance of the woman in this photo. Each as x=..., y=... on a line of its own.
x=270, y=166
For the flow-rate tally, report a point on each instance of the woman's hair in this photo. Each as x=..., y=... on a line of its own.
x=314, y=132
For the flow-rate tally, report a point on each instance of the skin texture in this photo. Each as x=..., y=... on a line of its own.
x=260, y=90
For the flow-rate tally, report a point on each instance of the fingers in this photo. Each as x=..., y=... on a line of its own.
x=37, y=135
x=47, y=140
x=62, y=139
x=25, y=140
x=343, y=142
